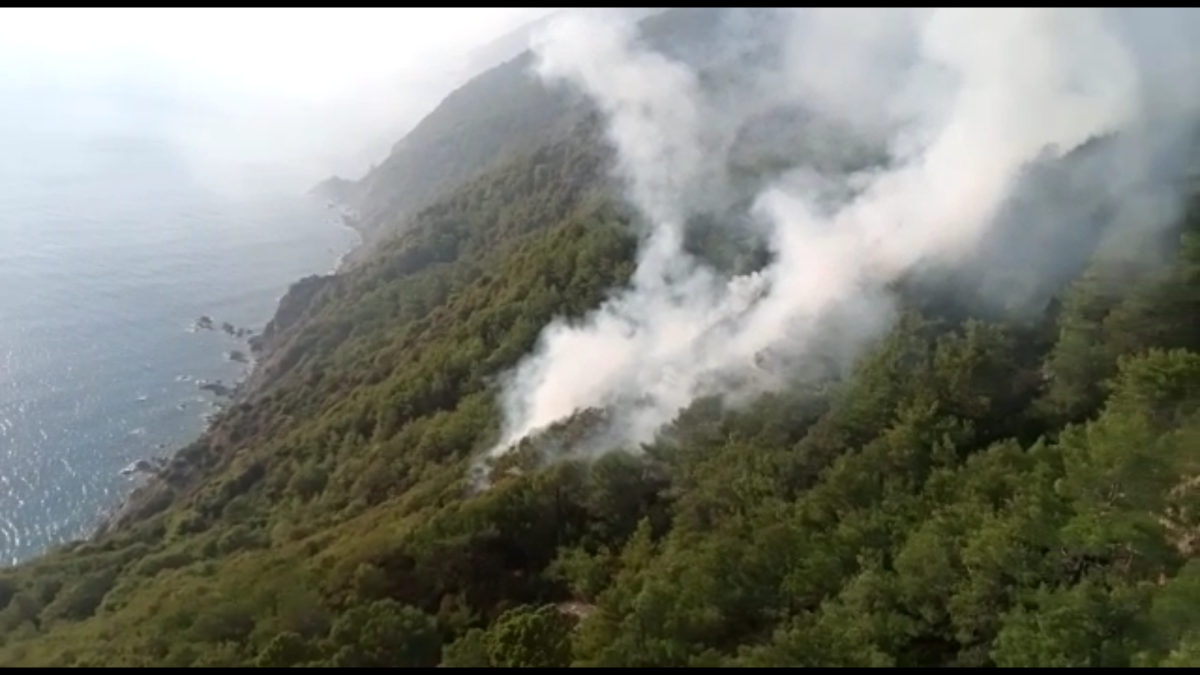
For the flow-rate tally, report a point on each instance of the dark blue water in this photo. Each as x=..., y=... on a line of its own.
x=111, y=245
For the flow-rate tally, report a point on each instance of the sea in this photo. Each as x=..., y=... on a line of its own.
x=112, y=245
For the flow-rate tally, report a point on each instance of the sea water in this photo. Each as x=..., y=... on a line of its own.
x=111, y=246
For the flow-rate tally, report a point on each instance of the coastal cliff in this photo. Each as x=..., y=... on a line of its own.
x=162, y=486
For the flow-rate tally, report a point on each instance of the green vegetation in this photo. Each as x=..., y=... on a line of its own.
x=475, y=129
x=998, y=491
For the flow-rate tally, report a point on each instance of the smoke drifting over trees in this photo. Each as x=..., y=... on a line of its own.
x=959, y=104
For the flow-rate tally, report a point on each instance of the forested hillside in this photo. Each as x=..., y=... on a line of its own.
x=477, y=127
x=990, y=486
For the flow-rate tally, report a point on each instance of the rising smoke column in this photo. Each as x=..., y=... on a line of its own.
x=984, y=92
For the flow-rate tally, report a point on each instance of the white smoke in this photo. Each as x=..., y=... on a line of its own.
x=966, y=97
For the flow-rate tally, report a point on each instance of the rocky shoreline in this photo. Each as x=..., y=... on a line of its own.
x=154, y=470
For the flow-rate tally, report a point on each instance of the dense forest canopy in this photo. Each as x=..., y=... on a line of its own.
x=1002, y=473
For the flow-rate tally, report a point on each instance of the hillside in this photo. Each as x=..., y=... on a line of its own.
x=482, y=124
x=473, y=130
x=988, y=484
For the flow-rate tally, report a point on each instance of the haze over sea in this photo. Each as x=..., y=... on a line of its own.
x=153, y=168
x=111, y=245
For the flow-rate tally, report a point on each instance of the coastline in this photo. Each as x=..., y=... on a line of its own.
x=151, y=485
x=345, y=261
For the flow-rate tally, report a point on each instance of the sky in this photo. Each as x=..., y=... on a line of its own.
x=325, y=89
x=305, y=53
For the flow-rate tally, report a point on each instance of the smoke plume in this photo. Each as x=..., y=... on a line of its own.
x=962, y=101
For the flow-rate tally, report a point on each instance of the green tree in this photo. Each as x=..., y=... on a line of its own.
x=530, y=637
x=385, y=634
x=285, y=650
x=468, y=651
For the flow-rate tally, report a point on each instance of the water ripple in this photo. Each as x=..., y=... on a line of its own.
x=106, y=254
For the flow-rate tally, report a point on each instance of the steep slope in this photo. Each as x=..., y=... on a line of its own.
x=433, y=318
x=481, y=124
x=471, y=131
x=999, y=491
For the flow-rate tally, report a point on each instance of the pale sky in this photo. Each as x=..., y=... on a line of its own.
x=303, y=52
x=318, y=89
